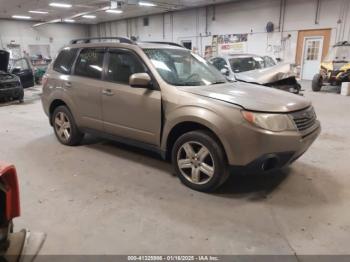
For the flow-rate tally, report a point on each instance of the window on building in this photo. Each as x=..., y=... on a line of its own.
x=146, y=21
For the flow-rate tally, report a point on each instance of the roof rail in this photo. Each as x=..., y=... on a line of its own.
x=89, y=39
x=164, y=43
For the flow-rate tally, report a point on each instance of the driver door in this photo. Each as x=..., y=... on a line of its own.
x=129, y=112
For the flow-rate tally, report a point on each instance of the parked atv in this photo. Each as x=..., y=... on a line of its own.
x=335, y=68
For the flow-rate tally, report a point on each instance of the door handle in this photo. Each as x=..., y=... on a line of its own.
x=68, y=84
x=108, y=92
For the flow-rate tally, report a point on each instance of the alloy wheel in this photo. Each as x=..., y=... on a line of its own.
x=195, y=163
x=62, y=126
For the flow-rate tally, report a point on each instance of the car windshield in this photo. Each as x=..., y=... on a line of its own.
x=338, y=53
x=243, y=64
x=183, y=68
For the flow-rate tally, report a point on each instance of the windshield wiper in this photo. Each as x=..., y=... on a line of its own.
x=199, y=83
x=218, y=82
x=189, y=84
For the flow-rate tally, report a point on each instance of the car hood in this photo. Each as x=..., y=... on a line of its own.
x=7, y=77
x=4, y=60
x=266, y=75
x=252, y=97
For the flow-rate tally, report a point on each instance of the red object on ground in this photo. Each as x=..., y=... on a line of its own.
x=8, y=177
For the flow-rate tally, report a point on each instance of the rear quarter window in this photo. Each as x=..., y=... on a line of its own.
x=64, y=61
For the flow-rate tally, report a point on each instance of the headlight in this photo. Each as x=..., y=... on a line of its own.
x=271, y=122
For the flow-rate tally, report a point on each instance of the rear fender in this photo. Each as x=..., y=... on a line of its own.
x=59, y=95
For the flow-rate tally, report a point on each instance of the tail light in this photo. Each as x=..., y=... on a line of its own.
x=9, y=188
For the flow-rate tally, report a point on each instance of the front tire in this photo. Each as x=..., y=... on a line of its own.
x=65, y=127
x=317, y=82
x=200, y=161
x=20, y=97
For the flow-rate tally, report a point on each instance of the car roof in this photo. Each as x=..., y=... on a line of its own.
x=239, y=55
x=150, y=45
x=142, y=45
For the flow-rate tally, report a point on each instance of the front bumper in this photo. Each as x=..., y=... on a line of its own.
x=295, y=89
x=262, y=151
x=276, y=160
x=16, y=92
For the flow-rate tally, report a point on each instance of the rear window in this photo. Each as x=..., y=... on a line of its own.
x=90, y=63
x=64, y=61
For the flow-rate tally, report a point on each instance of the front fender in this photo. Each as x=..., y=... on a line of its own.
x=203, y=116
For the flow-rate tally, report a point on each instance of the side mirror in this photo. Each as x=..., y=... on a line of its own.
x=141, y=80
x=16, y=70
x=225, y=71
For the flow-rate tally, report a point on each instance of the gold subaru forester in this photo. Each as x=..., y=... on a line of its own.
x=163, y=97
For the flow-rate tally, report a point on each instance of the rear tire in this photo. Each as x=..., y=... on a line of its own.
x=317, y=82
x=66, y=130
x=200, y=161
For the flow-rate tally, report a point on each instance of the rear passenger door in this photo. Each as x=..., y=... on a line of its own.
x=85, y=85
x=130, y=112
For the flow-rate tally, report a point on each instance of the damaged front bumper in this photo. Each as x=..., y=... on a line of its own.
x=289, y=84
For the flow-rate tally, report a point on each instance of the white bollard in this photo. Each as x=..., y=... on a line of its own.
x=345, y=89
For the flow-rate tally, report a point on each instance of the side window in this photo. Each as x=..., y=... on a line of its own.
x=214, y=62
x=90, y=63
x=21, y=64
x=64, y=61
x=122, y=65
x=268, y=61
x=219, y=63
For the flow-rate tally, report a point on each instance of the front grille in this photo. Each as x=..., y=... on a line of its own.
x=304, y=119
x=8, y=85
x=4, y=77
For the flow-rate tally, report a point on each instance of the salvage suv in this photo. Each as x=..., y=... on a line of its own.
x=166, y=99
